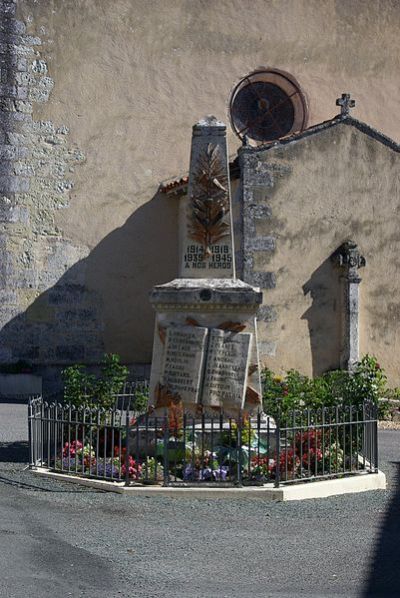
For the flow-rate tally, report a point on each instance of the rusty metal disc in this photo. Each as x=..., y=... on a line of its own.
x=267, y=105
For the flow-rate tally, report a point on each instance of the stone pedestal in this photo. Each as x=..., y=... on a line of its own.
x=205, y=355
x=205, y=346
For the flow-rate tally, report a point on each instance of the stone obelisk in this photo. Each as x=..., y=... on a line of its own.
x=206, y=230
x=205, y=352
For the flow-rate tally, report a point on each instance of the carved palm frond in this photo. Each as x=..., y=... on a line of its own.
x=252, y=396
x=210, y=199
x=175, y=418
x=165, y=397
x=192, y=322
x=162, y=333
x=199, y=409
x=230, y=326
x=210, y=176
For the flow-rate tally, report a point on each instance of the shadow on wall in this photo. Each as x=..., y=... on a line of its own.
x=385, y=562
x=14, y=452
x=101, y=303
x=324, y=317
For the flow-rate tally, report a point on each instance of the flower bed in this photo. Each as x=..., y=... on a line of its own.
x=178, y=449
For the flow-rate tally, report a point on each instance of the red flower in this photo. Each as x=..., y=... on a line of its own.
x=134, y=468
x=70, y=450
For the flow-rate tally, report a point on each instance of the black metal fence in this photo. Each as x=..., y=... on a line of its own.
x=175, y=448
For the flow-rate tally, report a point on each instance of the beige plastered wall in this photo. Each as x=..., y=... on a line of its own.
x=130, y=79
x=336, y=185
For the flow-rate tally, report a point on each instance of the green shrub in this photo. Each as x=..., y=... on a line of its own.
x=78, y=385
x=113, y=377
x=141, y=399
x=82, y=388
x=338, y=387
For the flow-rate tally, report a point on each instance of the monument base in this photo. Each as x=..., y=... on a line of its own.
x=205, y=354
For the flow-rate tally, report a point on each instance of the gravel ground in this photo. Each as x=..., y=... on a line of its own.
x=58, y=539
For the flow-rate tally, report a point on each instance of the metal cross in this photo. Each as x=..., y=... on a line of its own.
x=345, y=104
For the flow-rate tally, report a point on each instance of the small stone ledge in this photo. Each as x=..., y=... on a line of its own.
x=203, y=292
x=318, y=489
x=261, y=244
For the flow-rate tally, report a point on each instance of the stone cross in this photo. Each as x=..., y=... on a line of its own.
x=206, y=240
x=349, y=259
x=345, y=104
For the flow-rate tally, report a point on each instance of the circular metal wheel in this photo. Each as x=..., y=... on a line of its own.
x=267, y=105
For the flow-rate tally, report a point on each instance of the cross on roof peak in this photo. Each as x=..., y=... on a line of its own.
x=345, y=104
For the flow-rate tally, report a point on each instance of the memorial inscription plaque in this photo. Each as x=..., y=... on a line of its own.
x=226, y=369
x=183, y=361
x=219, y=259
x=206, y=366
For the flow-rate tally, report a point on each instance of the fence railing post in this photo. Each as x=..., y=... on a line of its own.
x=127, y=429
x=165, y=451
x=278, y=450
x=239, y=451
x=30, y=423
x=376, y=438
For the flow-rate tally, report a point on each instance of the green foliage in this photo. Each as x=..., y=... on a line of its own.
x=369, y=380
x=113, y=377
x=389, y=408
x=82, y=388
x=78, y=385
x=152, y=470
x=338, y=387
x=141, y=400
x=229, y=437
x=384, y=409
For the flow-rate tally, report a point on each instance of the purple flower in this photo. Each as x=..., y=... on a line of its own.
x=71, y=463
x=108, y=470
x=190, y=473
x=221, y=473
x=205, y=474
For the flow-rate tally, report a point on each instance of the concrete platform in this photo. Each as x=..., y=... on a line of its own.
x=302, y=491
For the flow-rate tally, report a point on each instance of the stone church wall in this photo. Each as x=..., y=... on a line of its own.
x=301, y=201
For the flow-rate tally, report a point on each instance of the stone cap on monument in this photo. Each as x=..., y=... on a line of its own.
x=205, y=231
x=182, y=292
x=208, y=126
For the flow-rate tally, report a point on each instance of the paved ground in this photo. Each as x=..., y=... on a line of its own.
x=63, y=540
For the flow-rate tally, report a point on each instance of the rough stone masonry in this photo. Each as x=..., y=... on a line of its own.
x=46, y=314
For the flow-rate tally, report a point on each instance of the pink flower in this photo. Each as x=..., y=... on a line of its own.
x=70, y=450
x=134, y=469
